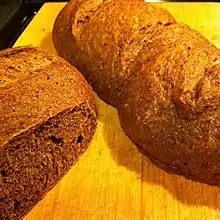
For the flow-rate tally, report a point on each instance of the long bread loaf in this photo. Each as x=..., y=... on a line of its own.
x=162, y=76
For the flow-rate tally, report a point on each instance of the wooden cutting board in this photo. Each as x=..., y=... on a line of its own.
x=113, y=180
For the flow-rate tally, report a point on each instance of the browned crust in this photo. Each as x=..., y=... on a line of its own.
x=62, y=32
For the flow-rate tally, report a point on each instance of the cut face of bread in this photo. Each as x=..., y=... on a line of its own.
x=33, y=162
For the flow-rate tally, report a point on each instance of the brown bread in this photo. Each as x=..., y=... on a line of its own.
x=48, y=118
x=162, y=76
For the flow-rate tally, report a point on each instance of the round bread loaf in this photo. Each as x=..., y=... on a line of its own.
x=47, y=119
x=162, y=76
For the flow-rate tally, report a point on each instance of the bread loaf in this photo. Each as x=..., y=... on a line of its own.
x=162, y=76
x=47, y=118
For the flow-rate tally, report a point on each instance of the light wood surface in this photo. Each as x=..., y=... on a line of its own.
x=113, y=180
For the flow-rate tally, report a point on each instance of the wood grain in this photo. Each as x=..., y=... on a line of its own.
x=113, y=180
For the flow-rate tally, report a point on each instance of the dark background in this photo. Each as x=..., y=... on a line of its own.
x=15, y=15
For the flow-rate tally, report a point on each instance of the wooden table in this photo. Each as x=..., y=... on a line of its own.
x=113, y=180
